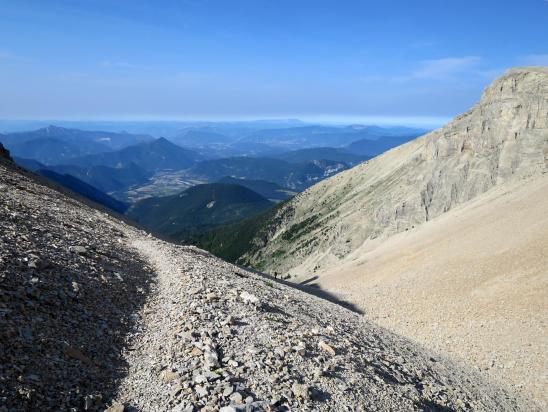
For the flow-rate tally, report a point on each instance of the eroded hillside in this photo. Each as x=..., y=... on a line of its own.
x=471, y=282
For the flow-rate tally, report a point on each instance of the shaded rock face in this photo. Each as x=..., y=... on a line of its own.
x=503, y=137
x=68, y=289
x=4, y=153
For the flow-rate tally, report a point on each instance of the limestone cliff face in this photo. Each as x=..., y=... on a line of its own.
x=503, y=137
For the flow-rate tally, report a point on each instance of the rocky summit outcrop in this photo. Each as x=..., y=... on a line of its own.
x=4, y=153
x=502, y=138
x=96, y=314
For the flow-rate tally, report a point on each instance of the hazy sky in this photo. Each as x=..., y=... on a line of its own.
x=401, y=61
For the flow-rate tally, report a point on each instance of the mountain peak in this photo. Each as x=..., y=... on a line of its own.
x=527, y=69
x=50, y=129
x=522, y=83
x=163, y=142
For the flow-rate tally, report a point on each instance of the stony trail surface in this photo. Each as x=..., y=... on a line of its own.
x=96, y=314
x=214, y=336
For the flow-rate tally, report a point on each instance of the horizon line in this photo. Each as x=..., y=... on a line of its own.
x=405, y=120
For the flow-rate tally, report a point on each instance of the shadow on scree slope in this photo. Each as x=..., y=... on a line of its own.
x=311, y=288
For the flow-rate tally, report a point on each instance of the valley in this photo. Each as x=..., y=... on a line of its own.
x=119, y=169
x=197, y=209
x=161, y=183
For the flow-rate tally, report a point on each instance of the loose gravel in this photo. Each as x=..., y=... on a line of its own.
x=216, y=337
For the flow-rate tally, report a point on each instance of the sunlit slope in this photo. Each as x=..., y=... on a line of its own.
x=472, y=282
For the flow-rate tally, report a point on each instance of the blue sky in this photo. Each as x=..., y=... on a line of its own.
x=411, y=62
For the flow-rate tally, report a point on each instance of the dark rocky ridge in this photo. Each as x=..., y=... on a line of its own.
x=4, y=153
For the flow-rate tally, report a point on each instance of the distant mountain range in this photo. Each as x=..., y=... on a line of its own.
x=159, y=154
x=54, y=145
x=159, y=128
x=265, y=142
x=281, y=158
x=197, y=209
x=117, y=170
x=321, y=136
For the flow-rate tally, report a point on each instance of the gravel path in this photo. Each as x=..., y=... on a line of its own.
x=216, y=337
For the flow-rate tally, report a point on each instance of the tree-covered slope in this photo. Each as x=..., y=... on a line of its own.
x=321, y=153
x=105, y=178
x=197, y=209
x=51, y=151
x=296, y=176
x=269, y=190
x=232, y=241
